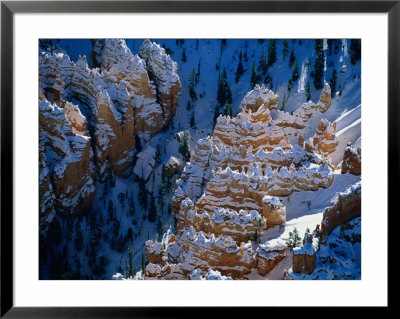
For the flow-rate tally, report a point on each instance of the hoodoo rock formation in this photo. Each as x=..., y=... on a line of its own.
x=345, y=207
x=66, y=176
x=89, y=117
x=227, y=192
x=351, y=161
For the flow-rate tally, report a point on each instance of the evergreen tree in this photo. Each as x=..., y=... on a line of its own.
x=308, y=91
x=240, y=68
x=289, y=85
x=132, y=209
x=143, y=263
x=157, y=158
x=285, y=49
x=130, y=270
x=253, y=80
x=138, y=144
x=224, y=94
x=295, y=74
x=111, y=210
x=355, y=50
x=142, y=194
x=256, y=237
x=152, y=209
x=293, y=240
x=184, y=147
x=228, y=109
x=292, y=58
x=271, y=52
x=221, y=97
x=319, y=63
x=263, y=64
x=79, y=238
x=332, y=82
x=192, y=79
x=198, y=73
x=184, y=58
x=192, y=121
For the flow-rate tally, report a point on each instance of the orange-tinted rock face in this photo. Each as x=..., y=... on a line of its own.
x=345, y=207
x=102, y=112
x=226, y=194
x=65, y=177
x=324, y=140
x=304, y=257
x=351, y=161
x=269, y=254
x=260, y=95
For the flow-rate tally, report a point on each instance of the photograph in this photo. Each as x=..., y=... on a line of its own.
x=199, y=159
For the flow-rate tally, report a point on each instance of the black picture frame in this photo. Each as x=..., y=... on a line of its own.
x=9, y=8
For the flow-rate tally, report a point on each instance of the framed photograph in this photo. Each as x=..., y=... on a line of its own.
x=163, y=154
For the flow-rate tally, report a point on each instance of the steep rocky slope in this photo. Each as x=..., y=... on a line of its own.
x=212, y=180
x=89, y=118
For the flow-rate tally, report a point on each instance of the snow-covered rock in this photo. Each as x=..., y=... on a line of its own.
x=351, y=161
x=260, y=95
x=65, y=167
x=145, y=162
x=172, y=166
x=269, y=254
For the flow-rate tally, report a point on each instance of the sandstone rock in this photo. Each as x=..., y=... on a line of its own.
x=164, y=72
x=273, y=211
x=65, y=176
x=304, y=257
x=346, y=206
x=172, y=166
x=351, y=161
x=241, y=226
x=324, y=140
x=269, y=254
x=145, y=162
x=260, y=95
x=89, y=118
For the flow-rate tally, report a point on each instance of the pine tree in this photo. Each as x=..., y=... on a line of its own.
x=198, y=72
x=142, y=194
x=111, y=210
x=192, y=120
x=138, y=145
x=256, y=237
x=271, y=52
x=184, y=147
x=157, y=158
x=293, y=240
x=79, y=238
x=263, y=64
x=253, y=80
x=292, y=58
x=240, y=68
x=285, y=49
x=192, y=79
x=184, y=58
x=221, y=97
x=228, y=109
x=152, y=209
x=143, y=263
x=289, y=85
x=132, y=208
x=319, y=63
x=355, y=50
x=332, y=82
x=295, y=74
x=308, y=91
